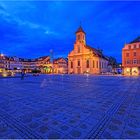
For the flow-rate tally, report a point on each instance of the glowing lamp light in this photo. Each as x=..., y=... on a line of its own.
x=127, y=70
x=1, y=54
x=4, y=75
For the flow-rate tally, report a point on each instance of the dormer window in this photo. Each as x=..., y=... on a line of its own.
x=129, y=47
x=134, y=46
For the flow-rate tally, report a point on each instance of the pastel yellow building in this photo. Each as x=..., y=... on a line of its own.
x=85, y=59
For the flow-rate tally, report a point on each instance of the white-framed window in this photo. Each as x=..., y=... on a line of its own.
x=134, y=53
x=134, y=61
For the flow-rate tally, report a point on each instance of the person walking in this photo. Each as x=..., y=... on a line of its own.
x=22, y=74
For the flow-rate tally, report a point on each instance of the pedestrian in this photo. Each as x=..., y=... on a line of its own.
x=22, y=74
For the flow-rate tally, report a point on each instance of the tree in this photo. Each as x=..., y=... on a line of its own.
x=113, y=62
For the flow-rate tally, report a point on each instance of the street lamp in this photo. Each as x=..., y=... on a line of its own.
x=1, y=54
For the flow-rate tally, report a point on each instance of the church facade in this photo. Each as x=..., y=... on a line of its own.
x=85, y=59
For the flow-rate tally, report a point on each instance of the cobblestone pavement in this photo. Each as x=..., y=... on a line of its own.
x=70, y=106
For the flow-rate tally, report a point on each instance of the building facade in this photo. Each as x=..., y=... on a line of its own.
x=15, y=63
x=28, y=64
x=4, y=63
x=44, y=65
x=131, y=58
x=85, y=59
x=60, y=66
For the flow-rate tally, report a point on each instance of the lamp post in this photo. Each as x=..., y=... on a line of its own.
x=51, y=60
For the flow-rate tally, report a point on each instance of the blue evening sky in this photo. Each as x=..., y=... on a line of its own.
x=31, y=29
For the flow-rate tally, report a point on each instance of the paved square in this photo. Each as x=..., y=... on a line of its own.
x=70, y=106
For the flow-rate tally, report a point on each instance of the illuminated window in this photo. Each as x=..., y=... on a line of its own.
x=87, y=63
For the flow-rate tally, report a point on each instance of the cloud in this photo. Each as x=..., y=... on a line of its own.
x=41, y=25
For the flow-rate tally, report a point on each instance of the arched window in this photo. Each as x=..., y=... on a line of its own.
x=78, y=49
x=87, y=63
x=78, y=62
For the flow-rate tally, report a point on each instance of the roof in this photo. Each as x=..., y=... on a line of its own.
x=57, y=59
x=97, y=52
x=135, y=40
x=80, y=29
x=42, y=58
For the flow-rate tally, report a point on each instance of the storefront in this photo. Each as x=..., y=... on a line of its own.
x=127, y=71
x=48, y=70
x=134, y=71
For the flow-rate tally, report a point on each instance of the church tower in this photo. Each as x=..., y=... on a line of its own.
x=80, y=36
